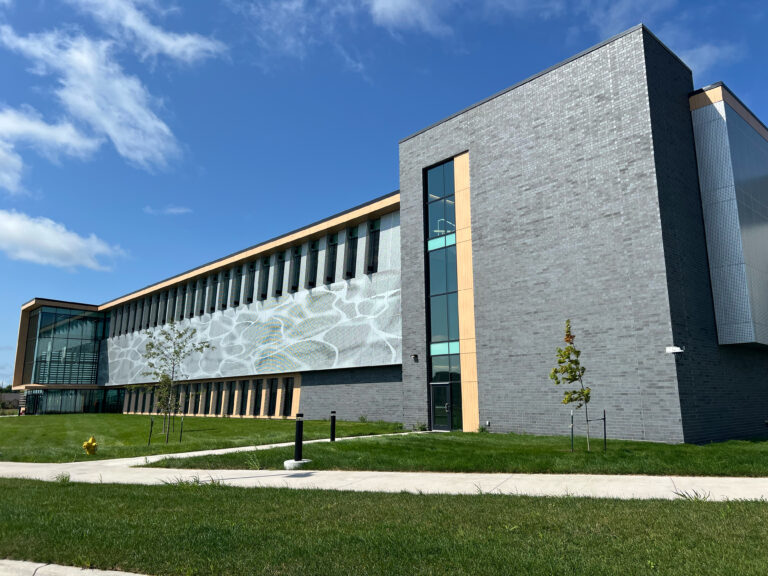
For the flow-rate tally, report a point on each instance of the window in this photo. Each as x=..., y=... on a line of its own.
x=350, y=263
x=201, y=284
x=171, y=305
x=250, y=282
x=264, y=278
x=237, y=285
x=272, y=383
x=279, y=273
x=185, y=407
x=219, y=388
x=137, y=325
x=243, y=397
x=230, y=398
x=161, y=309
x=372, y=255
x=287, y=396
x=314, y=254
x=206, y=398
x=295, y=268
x=257, y=389
x=180, y=303
x=212, y=284
x=189, y=307
x=330, y=258
x=197, y=390
x=224, y=290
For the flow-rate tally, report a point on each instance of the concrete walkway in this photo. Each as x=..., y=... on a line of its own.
x=21, y=568
x=123, y=471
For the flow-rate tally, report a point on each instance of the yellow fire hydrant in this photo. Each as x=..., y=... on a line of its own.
x=90, y=446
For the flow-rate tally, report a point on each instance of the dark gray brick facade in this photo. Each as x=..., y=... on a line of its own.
x=585, y=206
x=374, y=392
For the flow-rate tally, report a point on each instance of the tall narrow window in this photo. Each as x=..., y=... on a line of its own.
x=224, y=290
x=171, y=305
x=287, y=396
x=180, y=302
x=200, y=304
x=314, y=254
x=189, y=307
x=279, y=273
x=243, y=397
x=206, y=398
x=295, y=268
x=264, y=278
x=330, y=258
x=350, y=260
x=257, y=389
x=230, y=398
x=139, y=315
x=161, y=303
x=372, y=256
x=250, y=282
x=272, y=408
x=237, y=285
x=212, y=285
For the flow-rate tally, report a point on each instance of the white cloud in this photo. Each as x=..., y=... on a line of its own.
x=704, y=57
x=93, y=88
x=167, y=211
x=44, y=241
x=27, y=127
x=11, y=167
x=122, y=17
x=410, y=14
x=611, y=17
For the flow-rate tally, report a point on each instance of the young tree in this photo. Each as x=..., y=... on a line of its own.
x=165, y=353
x=570, y=371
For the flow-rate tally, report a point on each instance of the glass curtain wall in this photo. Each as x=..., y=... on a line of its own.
x=442, y=286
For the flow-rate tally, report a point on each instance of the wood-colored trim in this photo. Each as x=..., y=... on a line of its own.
x=470, y=406
x=21, y=349
x=340, y=222
x=722, y=94
x=295, y=406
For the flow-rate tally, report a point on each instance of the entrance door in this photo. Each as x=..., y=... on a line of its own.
x=441, y=407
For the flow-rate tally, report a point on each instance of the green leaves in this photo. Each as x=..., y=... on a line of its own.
x=570, y=371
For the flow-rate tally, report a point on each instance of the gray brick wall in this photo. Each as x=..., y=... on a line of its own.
x=722, y=389
x=565, y=224
x=374, y=392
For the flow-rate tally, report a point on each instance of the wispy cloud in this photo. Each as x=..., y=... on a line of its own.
x=167, y=211
x=426, y=15
x=610, y=17
x=704, y=57
x=123, y=18
x=94, y=89
x=26, y=127
x=44, y=241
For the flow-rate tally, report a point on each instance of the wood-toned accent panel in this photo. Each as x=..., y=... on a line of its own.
x=720, y=94
x=21, y=346
x=295, y=407
x=706, y=98
x=470, y=407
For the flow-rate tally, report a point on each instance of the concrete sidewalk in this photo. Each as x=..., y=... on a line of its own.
x=585, y=485
x=21, y=568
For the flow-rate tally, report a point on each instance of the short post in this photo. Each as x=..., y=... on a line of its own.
x=181, y=428
x=571, y=430
x=297, y=455
x=151, y=424
x=605, y=434
x=333, y=425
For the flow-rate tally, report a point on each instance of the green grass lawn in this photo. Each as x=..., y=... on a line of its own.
x=214, y=529
x=59, y=437
x=459, y=452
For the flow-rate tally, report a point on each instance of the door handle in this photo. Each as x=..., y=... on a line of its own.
x=446, y=406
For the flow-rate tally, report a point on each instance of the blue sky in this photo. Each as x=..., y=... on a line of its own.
x=140, y=138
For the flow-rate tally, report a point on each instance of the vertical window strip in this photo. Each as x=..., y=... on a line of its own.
x=331, y=251
x=264, y=278
x=237, y=285
x=250, y=282
x=314, y=256
x=279, y=273
x=295, y=268
x=372, y=257
x=223, y=290
x=350, y=249
x=212, y=285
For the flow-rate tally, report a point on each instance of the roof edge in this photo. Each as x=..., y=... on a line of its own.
x=560, y=64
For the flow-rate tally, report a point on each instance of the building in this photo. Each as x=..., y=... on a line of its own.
x=604, y=189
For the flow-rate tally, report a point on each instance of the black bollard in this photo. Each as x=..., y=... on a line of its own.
x=605, y=434
x=333, y=425
x=181, y=428
x=297, y=456
x=571, y=430
x=151, y=424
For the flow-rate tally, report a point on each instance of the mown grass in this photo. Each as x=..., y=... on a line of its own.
x=213, y=529
x=459, y=452
x=59, y=437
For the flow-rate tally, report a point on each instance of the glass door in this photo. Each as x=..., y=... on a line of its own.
x=441, y=407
